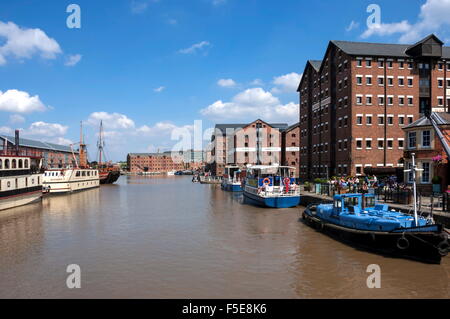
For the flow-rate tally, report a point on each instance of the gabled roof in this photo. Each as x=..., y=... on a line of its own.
x=37, y=144
x=292, y=127
x=442, y=118
x=223, y=127
x=384, y=49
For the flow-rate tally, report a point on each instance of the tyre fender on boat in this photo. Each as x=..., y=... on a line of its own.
x=402, y=243
x=443, y=247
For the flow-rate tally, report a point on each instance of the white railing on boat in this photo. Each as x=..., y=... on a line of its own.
x=294, y=190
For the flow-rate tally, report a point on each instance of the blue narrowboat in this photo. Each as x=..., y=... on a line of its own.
x=271, y=186
x=231, y=181
x=358, y=219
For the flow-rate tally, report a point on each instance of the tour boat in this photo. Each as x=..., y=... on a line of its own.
x=358, y=219
x=20, y=181
x=70, y=180
x=231, y=181
x=271, y=186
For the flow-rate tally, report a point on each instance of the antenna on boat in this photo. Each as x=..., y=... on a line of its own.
x=413, y=170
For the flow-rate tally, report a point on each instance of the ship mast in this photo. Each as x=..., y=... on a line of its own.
x=100, y=144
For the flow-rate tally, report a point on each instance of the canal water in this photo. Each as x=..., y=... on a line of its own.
x=164, y=237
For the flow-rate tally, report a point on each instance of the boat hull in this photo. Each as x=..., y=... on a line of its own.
x=109, y=177
x=428, y=244
x=231, y=188
x=33, y=196
x=272, y=202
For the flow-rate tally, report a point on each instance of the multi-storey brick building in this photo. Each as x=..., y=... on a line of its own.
x=290, y=147
x=52, y=155
x=256, y=143
x=355, y=102
x=154, y=162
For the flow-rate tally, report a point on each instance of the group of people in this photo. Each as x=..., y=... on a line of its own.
x=366, y=182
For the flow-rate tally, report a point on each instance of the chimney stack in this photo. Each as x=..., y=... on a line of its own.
x=17, y=142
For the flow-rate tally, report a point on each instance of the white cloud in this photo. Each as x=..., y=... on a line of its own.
x=434, y=17
x=20, y=102
x=73, y=60
x=250, y=104
x=22, y=43
x=6, y=130
x=287, y=83
x=226, y=83
x=46, y=129
x=160, y=89
x=161, y=128
x=60, y=141
x=257, y=82
x=195, y=48
x=16, y=119
x=111, y=121
x=352, y=26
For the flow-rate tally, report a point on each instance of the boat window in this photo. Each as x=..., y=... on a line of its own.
x=83, y=173
x=369, y=202
x=20, y=163
x=14, y=164
x=6, y=163
x=1, y=164
x=337, y=204
x=351, y=201
x=78, y=174
x=88, y=173
x=26, y=164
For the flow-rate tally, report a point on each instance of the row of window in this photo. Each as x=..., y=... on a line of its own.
x=369, y=100
x=425, y=142
x=380, y=143
x=380, y=119
x=14, y=164
x=381, y=80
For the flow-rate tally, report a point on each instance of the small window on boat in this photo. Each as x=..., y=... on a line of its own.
x=369, y=202
x=78, y=174
x=13, y=163
x=6, y=163
x=83, y=173
x=20, y=163
x=337, y=204
x=1, y=164
x=26, y=164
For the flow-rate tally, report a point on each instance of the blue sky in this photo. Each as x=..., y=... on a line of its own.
x=147, y=67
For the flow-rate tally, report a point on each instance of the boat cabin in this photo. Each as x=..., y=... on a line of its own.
x=356, y=203
x=270, y=175
x=17, y=165
x=232, y=172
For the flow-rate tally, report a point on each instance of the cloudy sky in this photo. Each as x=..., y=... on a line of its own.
x=149, y=68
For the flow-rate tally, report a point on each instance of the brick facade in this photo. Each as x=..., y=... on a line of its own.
x=355, y=102
x=153, y=163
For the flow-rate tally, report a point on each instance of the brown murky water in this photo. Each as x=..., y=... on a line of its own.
x=169, y=238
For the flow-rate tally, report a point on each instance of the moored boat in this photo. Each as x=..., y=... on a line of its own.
x=356, y=218
x=232, y=181
x=271, y=186
x=108, y=172
x=20, y=181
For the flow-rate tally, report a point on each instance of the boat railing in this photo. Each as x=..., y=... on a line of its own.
x=275, y=191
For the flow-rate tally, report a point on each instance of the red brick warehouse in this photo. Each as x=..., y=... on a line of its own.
x=356, y=100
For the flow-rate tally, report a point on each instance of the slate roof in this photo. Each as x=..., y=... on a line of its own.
x=315, y=64
x=37, y=144
x=442, y=118
x=224, y=127
x=380, y=49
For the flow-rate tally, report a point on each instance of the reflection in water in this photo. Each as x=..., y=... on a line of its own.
x=164, y=237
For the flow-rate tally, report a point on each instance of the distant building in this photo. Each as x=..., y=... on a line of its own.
x=154, y=162
x=424, y=142
x=53, y=155
x=194, y=159
x=256, y=143
x=291, y=148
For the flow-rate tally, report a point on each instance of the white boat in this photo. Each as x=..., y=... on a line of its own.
x=70, y=180
x=171, y=173
x=20, y=182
